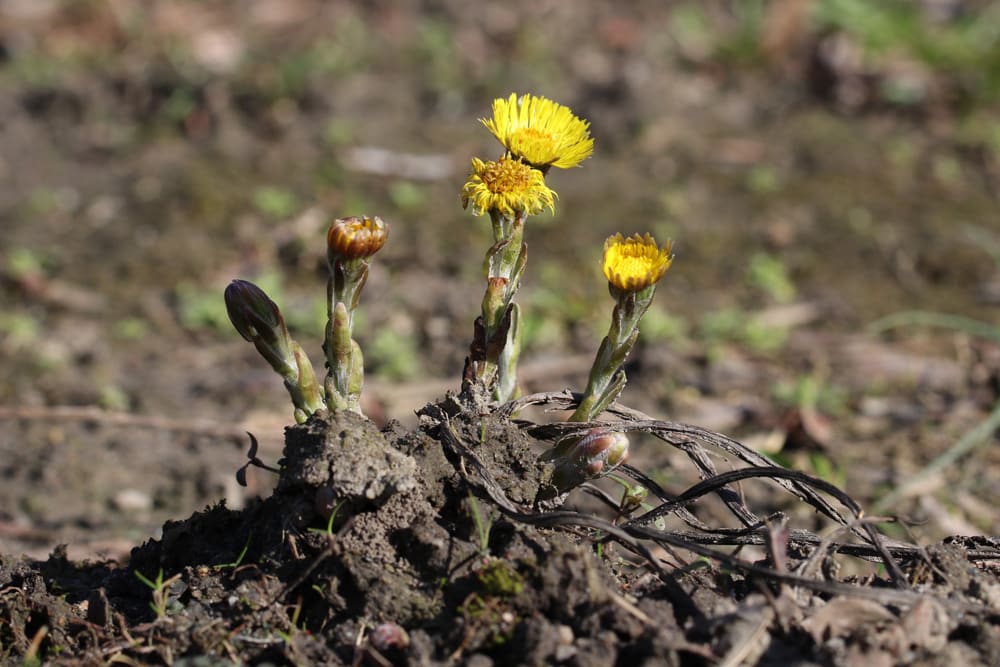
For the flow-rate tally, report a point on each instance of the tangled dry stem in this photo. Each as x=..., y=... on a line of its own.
x=638, y=534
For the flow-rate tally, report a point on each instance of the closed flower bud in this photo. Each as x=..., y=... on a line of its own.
x=251, y=311
x=594, y=455
x=356, y=237
x=601, y=451
x=259, y=321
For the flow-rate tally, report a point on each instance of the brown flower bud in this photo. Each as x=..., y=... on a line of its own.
x=356, y=237
x=259, y=321
x=252, y=312
x=600, y=448
x=594, y=455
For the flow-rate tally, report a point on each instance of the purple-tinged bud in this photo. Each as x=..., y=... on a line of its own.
x=594, y=455
x=356, y=237
x=600, y=451
x=259, y=320
x=251, y=311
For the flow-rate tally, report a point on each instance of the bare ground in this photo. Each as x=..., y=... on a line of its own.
x=153, y=151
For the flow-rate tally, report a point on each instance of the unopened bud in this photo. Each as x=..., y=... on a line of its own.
x=594, y=455
x=600, y=451
x=259, y=321
x=356, y=237
x=251, y=311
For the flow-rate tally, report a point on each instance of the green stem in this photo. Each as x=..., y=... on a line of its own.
x=345, y=367
x=504, y=265
x=507, y=364
x=606, y=381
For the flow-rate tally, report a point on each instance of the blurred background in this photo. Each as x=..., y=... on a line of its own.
x=821, y=165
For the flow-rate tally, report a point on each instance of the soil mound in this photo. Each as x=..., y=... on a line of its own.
x=425, y=547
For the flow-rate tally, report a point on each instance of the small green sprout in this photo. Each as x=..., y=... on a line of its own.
x=161, y=602
x=483, y=527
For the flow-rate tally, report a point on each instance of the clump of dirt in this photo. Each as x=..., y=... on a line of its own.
x=346, y=464
x=366, y=530
x=422, y=547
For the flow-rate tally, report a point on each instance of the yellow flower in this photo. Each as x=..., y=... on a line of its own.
x=507, y=186
x=633, y=264
x=540, y=131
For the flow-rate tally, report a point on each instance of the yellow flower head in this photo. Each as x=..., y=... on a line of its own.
x=633, y=264
x=540, y=131
x=507, y=186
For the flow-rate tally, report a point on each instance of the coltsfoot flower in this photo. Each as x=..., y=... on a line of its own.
x=506, y=186
x=542, y=132
x=356, y=237
x=633, y=264
x=350, y=244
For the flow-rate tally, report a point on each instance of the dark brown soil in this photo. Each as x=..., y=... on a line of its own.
x=375, y=549
x=153, y=150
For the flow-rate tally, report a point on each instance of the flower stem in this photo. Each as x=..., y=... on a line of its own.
x=504, y=265
x=606, y=377
x=345, y=365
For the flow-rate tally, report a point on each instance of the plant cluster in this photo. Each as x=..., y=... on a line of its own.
x=536, y=134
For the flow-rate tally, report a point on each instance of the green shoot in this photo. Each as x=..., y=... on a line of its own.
x=159, y=586
x=329, y=521
x=239, y=558
x=483, y=527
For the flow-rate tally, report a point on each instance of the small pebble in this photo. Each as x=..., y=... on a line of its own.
x=132, y=500
x=386, y=637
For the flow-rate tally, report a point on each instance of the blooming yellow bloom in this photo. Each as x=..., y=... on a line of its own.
x=506, y=186
x=540, y=131
x=633, y=264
